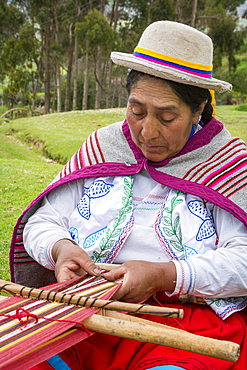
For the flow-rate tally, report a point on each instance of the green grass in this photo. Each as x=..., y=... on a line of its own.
x=15, y=149
x=234, y=120
x=242, y=108
x=24, y=174
x=58, y=136
x=20, y=182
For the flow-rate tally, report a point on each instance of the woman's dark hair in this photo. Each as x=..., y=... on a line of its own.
x=192, y=96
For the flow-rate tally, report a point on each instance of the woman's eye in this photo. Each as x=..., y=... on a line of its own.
x=137, y=113
x=165, y=120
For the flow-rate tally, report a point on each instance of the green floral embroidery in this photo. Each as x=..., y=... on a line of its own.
x=172, y=227
x=218, y=301
x=109, y=239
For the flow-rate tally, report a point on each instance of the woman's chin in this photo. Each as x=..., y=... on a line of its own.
x=155, y=157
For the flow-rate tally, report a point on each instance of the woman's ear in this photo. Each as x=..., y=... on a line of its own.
x=197, y=115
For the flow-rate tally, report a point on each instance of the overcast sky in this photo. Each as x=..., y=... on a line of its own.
x=242, y=8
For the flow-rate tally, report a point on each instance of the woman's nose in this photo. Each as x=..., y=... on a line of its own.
x=150, y=128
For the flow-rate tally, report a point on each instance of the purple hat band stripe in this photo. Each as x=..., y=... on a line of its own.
x=193, y=71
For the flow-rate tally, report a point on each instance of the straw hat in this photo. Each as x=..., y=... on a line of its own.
x=176, y=52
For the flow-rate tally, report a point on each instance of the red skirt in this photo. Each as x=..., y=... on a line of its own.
x=106, y=352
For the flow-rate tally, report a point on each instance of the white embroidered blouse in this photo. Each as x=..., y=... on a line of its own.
x=153, y=223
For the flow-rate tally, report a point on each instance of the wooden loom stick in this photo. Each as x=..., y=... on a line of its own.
x=107, y=266
x=78, y=300
x=123, y=316
x=125, y=326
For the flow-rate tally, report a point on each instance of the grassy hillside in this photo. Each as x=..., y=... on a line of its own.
x=23, y=175
x=234, y=120
x=58, y=136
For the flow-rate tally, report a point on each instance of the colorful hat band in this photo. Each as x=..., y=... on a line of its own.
x=199, y=70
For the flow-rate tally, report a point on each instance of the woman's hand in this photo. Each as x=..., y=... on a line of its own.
x=71, y=261
x=142, y=279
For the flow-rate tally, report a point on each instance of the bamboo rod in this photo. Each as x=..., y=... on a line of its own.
x=77, y=300
x=144, y=331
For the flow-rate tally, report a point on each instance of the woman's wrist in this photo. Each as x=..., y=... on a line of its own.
x=59, y=245
x=167, y=277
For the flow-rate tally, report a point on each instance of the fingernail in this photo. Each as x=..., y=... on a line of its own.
x=96, y=271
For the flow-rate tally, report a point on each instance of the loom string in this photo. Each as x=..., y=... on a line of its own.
x=180, y=325
x=71, y=296
x=22, y=314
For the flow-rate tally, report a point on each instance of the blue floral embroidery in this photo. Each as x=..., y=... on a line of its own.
x=74, y=234
x=206, y=229
x=97, y=189
x=92, y=238
x=189, y=251
x=84, y=207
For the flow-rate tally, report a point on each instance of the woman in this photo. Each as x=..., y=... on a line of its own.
x=162, y=194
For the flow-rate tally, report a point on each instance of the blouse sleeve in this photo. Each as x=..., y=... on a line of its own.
x=217, y=273
x=50, y=222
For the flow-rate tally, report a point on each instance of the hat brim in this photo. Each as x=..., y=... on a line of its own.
x=130, y=61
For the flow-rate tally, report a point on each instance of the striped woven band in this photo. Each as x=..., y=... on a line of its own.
x=199, y=70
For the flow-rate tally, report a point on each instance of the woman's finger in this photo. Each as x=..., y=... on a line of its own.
x=88, y=265
x=72, y=261
x=115, y=274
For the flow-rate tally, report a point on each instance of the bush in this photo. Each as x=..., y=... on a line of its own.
x=242, y=107
x=3, y=121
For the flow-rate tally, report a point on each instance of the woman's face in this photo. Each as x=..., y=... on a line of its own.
x=160, y=123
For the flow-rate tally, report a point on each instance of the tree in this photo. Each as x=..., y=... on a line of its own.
x=56, y=48
x=70, y=64
x=16, y=60
x=47, y=80
x=97, y=32
x=226, y=36
x=76, y=65
x=11, y=20
x=39, y=12
x=92, y=33
x=162, y=10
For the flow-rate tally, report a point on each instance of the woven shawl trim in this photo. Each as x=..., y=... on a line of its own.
x=187, y=181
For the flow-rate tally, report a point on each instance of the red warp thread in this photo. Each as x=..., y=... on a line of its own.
x=22, y=314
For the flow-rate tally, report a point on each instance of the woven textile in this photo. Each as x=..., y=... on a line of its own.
x=23, y=345
x=105, y=352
